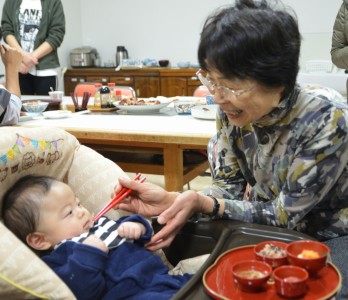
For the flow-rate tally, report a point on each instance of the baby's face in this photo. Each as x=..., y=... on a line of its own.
x=62, y=216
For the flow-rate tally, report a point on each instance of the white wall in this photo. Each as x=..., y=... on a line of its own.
x=170, y=28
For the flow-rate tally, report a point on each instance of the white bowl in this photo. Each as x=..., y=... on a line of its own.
x=207, y=112
x=36, y=107
x=183, y=64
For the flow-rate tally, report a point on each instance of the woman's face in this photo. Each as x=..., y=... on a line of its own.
x=253, y=103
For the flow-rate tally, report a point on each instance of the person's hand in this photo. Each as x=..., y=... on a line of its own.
x=23, y=69
x=29, y=60
x=96, y=242
x=146, y=198
x=131, y=230
x=174, y=218
x=11, y=57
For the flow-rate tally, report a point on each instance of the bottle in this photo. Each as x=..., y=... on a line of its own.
x=97, y=103
x=112, y=98
x=118, y=95
x=104, y=96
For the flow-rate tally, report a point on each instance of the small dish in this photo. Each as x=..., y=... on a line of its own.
x=183, y=108
x=251, y=275
x=311, y=255
x=57, y=114
x=35, y=106
x=290, y=281
x=272, y=252
x=207, y=112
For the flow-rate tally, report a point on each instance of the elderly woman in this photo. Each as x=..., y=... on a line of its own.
x=280, y=147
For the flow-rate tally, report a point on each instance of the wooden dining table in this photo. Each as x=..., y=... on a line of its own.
x=138, y=136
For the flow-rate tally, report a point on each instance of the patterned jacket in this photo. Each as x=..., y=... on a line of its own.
x=294, y=162
x=339, y=49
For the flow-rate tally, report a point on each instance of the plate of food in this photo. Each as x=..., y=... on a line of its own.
x=142, y=105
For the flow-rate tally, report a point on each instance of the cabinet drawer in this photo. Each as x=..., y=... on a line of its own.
x=100, y=79
x=193, y=80
x=122, y=80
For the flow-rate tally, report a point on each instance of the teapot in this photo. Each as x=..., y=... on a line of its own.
x=121, y=53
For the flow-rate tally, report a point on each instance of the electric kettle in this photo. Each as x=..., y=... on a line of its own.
x=121, y=54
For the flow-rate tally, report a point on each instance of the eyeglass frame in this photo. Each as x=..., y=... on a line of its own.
x=213, y=88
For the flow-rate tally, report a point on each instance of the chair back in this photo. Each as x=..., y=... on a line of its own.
x=201, y=91
x=85, y=87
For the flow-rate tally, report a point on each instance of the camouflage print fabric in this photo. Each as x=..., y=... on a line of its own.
x=294, y=162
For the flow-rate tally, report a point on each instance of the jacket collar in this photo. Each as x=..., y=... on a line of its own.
x=283, y=108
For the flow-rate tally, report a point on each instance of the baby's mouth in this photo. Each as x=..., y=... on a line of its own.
x=88, y=225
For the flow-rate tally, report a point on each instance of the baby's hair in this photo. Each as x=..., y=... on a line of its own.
x=21, y=204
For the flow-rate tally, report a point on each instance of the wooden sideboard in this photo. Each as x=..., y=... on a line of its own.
x=147, y=82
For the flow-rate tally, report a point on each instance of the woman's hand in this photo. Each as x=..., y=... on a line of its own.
x=174, y=218
x=146, y=199
x=29, y=60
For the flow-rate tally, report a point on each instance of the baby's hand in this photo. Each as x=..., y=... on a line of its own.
x=131, y=230
x=94, y=241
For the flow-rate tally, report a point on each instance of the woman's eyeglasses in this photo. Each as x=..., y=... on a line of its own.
x=222, y=90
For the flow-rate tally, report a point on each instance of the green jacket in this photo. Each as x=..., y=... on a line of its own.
x=339, y=49
x=52, y=28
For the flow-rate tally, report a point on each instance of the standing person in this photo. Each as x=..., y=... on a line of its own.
x=10, y=102
x=94, y=259
x=339, y=48
x=286, y=145
x=37, y=29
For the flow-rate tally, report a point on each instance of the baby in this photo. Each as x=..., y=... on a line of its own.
x=96, y=260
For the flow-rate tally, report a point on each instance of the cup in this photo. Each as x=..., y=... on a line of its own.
x=56, y=95
x=290, y=281
x=210, y=99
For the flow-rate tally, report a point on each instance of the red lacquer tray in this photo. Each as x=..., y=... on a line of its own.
x=219, y=284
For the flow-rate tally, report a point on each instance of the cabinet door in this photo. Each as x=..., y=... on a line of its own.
x=174, y=86
x=70, y=83
x=146, y=87
x=192, y=83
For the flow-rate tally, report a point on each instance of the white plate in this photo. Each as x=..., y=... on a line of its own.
x=143, y=108
x=207, y=112
x=57, y=114
x=25, y=118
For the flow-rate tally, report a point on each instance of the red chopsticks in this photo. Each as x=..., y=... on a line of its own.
x=117, y=199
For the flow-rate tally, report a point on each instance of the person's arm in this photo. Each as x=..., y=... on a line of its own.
x=339, y=48
x=44, y=49
x=10, y=102
x=81, y=267
x=12, y=59
x=29, y=60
